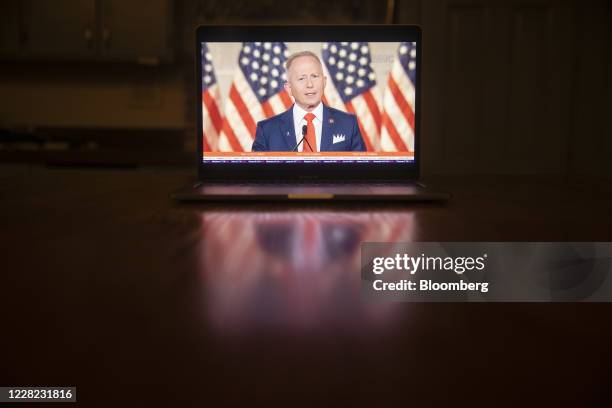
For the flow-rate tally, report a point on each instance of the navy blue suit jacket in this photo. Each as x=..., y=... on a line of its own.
x=277, y=134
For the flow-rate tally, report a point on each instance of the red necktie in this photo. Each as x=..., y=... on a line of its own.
x=310, y=144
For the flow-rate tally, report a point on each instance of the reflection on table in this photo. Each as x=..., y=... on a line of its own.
x=293, y=271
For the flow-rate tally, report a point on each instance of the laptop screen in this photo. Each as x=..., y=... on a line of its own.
x=308, y=102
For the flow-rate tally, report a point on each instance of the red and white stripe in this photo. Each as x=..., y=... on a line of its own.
x=397, y=131
x=212, y=119
x=243, y=111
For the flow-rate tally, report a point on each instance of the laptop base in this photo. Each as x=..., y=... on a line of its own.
x=308, y=192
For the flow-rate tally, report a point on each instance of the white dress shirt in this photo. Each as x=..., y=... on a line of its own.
x=299, y=122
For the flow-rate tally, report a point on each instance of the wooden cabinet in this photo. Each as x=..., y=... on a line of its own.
x=59, y=28
x=10, y=27
x=138, y=28
x=115, y=30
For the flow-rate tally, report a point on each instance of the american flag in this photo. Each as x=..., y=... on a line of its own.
x=397, y=133
x=256, y=93
x=211, y=116
x=352, y=86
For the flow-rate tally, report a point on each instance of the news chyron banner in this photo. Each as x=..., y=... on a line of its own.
x=487, y=271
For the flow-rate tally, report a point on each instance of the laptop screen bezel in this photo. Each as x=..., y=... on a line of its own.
x=309, y=171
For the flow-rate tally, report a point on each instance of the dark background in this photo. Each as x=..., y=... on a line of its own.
x=509, y=86
x=109, y=285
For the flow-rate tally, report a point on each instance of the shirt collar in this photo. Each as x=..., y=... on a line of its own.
x=298, y=112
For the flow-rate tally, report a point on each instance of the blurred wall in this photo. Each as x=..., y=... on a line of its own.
x=514, y=86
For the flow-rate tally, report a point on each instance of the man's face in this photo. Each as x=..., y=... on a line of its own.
x=306, y=82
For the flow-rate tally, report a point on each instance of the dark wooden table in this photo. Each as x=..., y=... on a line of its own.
x=108, y=285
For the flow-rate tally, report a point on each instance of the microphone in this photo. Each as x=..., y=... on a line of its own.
x=304, y=131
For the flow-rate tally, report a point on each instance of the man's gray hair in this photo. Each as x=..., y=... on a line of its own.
x=293, y=56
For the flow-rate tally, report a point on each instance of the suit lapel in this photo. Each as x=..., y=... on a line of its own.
x=287, y=128
x=327, y=129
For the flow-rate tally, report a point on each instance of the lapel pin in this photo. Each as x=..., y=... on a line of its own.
x=331, y=120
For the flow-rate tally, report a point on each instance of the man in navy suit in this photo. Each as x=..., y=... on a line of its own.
x=309, y=125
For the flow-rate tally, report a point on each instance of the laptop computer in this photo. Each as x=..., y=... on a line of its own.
x=308, y=113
